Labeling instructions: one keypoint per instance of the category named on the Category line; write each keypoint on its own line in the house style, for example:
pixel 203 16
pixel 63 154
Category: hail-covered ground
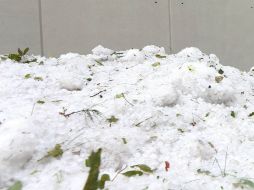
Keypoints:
pixel 184 116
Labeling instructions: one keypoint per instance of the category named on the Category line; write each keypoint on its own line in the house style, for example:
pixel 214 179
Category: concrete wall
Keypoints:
pixel 52 27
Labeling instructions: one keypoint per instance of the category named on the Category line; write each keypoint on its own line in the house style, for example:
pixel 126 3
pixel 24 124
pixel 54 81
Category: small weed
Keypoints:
pixel 16 186
pixel 112 119
pixel 92 182
pixel 56 152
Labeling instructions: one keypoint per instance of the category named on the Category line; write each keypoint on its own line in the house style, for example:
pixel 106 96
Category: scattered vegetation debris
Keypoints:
pixel 19 55
pixel 38 78
pixel 160 56
pixel 178 115
pixel 218 79
pixel 233 114
pixel 98 93
pixel 27 76
pixel 205 172
pixel 40 102
pixel 156 64
pixel 167 166
pixel 118 96
pixel 251 114
pixel 212 146
pixel 180 130
pixel 244 183
pixel 112 119
pixel 16 186
pixel 190 68
pixel 99 62
pixel 88 112
pixel 143 167
pixel 132 173
pixel 220 71
pixel 94 162
pixel 139 123
pixel 124 140
pixel 207 114
pixel 121 95
pixel 56 152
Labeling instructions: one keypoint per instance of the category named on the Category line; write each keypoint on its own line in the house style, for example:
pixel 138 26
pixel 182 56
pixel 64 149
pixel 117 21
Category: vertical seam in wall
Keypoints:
pixel 170 26
pixel 41 30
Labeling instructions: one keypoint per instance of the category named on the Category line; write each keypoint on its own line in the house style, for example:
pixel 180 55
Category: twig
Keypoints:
pixel 216 160
pixel 87 111
pixel 127 100
pixel 97 93
pixel 225 163
pixel 33 109
pixel 119 173
pixel 143 121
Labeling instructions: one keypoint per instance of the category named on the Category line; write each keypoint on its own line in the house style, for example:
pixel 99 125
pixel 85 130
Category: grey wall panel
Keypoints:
pixel 19 25
pixel 80 25
pixel 223 27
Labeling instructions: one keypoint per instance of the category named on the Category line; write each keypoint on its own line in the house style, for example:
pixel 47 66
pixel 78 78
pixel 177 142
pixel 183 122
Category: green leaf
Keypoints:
pixel 251 114
pixel 27 76
pixel 20 52
pixel 16 186
pixel 144 168
pixel 119 96
pixel 14 57
pixel 160 56
pixel 112 119
pixel 232 114
pixel 87 162
pixel 55 152
pixel 132 173
pixel 104 178
pixel 156 64
pixel 244 183
pixel 25 51
pixel 94 161
pixel 40 102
